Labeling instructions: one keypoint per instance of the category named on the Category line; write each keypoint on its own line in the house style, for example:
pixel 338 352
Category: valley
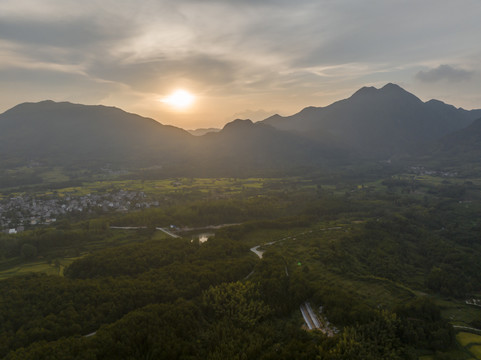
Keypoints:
pixel 351 247
pixel 238 244
pixel 240 180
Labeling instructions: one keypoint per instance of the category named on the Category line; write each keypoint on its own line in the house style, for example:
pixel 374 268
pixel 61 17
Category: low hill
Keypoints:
pixel 203 131
pixel 242 146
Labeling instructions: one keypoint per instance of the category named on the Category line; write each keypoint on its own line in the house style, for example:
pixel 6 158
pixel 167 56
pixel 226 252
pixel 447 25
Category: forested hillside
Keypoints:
pixel 387 263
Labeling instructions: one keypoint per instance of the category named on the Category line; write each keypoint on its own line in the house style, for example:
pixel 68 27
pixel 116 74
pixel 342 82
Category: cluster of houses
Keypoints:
pixel 420 170
pixel 26 210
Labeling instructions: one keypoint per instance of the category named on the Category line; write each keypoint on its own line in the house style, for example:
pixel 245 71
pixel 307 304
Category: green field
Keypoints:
pixel 476 351
pixel 470 342
pixel 55 175
pixel 367 251
pixel 156 187
pixel 41 266
pixel 457 311
pixel 467 339
pixel 57 260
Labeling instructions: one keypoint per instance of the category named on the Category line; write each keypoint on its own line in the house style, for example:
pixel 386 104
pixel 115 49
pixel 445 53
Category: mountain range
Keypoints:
pixel 377 123
pixel 371 124
pixel 63 133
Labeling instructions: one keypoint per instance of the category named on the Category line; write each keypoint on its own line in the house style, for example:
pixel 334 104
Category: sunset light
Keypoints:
pixel 240 179
pixel 179 99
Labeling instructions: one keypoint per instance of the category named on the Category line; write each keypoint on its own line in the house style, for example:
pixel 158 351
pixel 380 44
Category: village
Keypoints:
pixel 23 211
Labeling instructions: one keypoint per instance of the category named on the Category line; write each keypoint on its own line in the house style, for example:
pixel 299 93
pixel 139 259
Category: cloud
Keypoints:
pixel 250 54
pixel 444 72
pixel 159 75
pixel 65 33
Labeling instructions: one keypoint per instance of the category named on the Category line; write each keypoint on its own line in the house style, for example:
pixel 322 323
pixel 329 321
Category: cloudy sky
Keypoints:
pixel 239 58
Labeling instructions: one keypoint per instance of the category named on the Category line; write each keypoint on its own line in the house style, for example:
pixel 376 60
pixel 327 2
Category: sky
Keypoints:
pixel 237 58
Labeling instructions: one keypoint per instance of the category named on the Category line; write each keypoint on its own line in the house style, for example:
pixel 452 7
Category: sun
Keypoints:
pixel 179 99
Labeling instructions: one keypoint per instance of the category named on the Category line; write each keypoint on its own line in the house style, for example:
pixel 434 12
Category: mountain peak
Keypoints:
pixel 389 91
pixel 377 122
pixel 436 102
pixel 392 87
pixel 389 88
pixel 365 90
pixel 238 124
pixel 275 117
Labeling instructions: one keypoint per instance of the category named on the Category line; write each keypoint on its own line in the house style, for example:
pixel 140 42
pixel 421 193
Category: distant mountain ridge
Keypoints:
pixel 461 148
pixel 371 124
pixel 203 131
pixel 66 133
pixel 377 122
pixel 242 144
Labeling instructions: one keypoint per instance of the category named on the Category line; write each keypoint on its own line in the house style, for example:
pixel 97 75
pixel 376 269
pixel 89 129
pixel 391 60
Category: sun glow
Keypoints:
pixel 179 99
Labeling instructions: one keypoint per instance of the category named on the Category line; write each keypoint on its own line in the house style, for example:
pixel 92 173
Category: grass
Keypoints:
pixel 471 343
pixel 64 256
pixel 54 175
pixel 375 293
pixel 457 311
pixel 166 186
pixel 476 351
pixel 37 266
pixel 160 235
pixel 458 354
pixel 466 339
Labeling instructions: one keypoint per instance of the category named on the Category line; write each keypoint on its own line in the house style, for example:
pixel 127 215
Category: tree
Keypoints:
pixel 239 302
pixel 28 251
pixel 375 340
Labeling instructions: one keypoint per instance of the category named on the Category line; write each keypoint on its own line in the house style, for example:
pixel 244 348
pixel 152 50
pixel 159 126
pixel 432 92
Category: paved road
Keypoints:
pixel 167 232
pixel 466 328
pixel 309 317
pixel 259 253
pixel 128 227
pixel 256 251
pixel 144 227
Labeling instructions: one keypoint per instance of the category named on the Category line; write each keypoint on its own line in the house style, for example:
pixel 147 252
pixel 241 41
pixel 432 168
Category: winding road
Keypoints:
pixel 311 319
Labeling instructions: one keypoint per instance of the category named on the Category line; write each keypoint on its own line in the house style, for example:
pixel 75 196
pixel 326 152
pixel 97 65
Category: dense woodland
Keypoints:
pixel 375 254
